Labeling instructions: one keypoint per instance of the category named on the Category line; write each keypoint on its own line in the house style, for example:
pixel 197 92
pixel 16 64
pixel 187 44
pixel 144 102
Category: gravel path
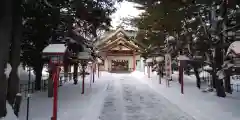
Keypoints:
pixel 128 99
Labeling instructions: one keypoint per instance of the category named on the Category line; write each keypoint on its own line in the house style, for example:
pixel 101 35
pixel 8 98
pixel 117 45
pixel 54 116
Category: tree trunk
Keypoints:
pixel 65 72
pixel 219 83
pixel 70 71
pixel 227 82
pixel 5 36
pixel 50 81
pixel 195 68
pixel 75 73
pixel 214 76
pixel 38 71
pixel 13 81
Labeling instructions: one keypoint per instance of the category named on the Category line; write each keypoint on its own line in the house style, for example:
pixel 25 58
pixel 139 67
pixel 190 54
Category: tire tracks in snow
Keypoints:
pixel 129 99
pixel 112 108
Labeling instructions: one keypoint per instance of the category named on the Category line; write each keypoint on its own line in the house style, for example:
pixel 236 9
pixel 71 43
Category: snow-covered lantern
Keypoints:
pixel 149 61
pixel 182 62
pixel 170 39
pixel 55 53
pixel 84 58
pixel 183 58
pixel 233 56
pixel 99 61
pixel 159 59
pixel 197 56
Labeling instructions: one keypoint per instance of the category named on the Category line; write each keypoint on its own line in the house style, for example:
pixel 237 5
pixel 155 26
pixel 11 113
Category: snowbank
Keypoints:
pixel 137 74
pixel 23 74
pixel 207 67
pixel 202 106
pixel 204 74
pixel 10 114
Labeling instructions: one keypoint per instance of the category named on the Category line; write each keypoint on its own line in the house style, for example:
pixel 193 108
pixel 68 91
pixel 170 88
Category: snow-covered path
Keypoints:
pixel 72 105
pixel 129 99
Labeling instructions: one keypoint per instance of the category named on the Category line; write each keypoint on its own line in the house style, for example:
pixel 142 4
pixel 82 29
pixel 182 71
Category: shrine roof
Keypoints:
pixel 129 34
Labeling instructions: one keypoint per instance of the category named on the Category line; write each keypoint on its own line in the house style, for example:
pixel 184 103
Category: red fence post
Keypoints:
pixel 83 80
pixel 98 70
pixel 55 92
pixel 181 76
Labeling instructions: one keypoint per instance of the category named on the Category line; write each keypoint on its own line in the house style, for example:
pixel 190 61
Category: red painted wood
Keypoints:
pixel 83 82
pixel 181 76
pixel 55 92
pixel 134 62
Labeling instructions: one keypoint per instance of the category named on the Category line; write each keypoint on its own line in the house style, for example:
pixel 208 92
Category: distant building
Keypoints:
pixel 120 51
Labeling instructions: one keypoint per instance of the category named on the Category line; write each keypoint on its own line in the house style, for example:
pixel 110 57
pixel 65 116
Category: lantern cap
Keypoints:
pixel 55 48
pixel 170 38
pixel 159 58
pixel 149 60
pixel 84 56
pixel 182 57
pixel 234 47
pixel 99 60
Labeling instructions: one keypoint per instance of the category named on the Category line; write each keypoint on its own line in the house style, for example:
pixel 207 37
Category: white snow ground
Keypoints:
pixel 10 114
pixel 112 97
pixel 202 106
pixel 72 104
pixel 133 97
pixel 129 99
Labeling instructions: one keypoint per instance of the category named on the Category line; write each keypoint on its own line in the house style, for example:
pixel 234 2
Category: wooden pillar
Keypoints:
pixel 181 70
pixel 134 61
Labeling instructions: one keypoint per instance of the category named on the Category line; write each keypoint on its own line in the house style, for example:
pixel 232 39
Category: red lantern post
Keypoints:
pixel 55 52
pixel 98 70
pixel 182 61
pixel 181 75
pixel 55 79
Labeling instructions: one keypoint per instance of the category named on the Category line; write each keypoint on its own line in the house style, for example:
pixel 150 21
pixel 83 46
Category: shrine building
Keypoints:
pixel 119 51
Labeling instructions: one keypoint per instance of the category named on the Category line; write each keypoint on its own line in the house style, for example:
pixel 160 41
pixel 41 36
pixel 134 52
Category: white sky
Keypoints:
pixel 124 9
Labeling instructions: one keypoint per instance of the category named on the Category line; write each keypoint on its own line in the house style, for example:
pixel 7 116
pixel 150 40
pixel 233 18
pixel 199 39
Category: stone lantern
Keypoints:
pixel 159 60
pixel 83 58
pixel 149 62
pixel 55 53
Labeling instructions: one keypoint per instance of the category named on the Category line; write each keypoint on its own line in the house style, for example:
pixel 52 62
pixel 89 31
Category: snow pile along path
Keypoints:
pixel 200 105
pixel 10 114
pixel 72 105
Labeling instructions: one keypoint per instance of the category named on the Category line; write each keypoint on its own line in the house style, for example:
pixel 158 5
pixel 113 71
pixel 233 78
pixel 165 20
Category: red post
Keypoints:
pixel 93 72
pixel 83 78
pixel 134 62
pixel 98 70
pixel 55 93
pixel 181 76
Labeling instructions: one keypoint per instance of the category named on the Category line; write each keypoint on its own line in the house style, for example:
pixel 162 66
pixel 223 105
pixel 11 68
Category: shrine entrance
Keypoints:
pixel 119 50
pixel 119 65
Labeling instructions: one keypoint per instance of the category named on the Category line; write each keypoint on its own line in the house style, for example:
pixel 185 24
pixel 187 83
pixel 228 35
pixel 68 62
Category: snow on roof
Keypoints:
pixel 55 48
pixel 183 57
pixel 235 46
